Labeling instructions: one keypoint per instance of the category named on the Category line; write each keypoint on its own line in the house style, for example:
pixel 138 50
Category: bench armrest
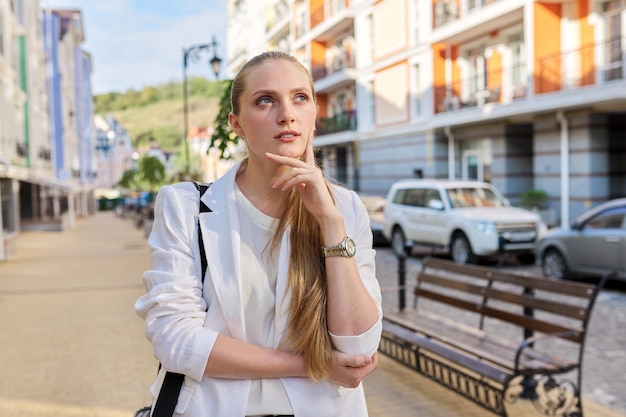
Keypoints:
pixel 529 341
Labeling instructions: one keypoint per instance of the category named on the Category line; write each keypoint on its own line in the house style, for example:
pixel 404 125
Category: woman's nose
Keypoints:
pixel 286 114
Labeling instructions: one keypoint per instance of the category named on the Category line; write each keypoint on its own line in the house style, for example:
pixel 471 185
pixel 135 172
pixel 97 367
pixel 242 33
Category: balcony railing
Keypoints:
pixel 493 87
pixel 338 123
pixel 344 59
pixel 579 68
pixel 446 11
pixel 564 71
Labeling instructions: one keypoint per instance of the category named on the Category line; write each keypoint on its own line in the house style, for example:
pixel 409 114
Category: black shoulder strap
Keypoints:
pixel 173 382
pixel 203 209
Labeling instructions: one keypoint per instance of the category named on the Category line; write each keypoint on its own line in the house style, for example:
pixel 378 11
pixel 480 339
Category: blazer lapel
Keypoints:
pixel 220 235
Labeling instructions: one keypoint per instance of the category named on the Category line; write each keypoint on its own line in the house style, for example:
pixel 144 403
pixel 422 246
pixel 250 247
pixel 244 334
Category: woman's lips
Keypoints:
pixel 287 136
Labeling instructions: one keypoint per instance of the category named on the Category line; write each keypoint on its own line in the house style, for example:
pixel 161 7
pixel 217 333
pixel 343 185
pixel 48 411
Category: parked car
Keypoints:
pixel 468 219
pixel 375 206
pixel 595 243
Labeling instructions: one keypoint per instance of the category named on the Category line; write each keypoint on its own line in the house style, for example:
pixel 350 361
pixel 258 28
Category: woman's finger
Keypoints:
pixel 309 155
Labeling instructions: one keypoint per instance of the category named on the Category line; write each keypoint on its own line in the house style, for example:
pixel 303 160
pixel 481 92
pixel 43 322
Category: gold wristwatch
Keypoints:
pixel 345 248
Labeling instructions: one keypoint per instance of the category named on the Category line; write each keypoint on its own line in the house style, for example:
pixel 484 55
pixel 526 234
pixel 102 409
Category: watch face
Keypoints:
pixel 350 247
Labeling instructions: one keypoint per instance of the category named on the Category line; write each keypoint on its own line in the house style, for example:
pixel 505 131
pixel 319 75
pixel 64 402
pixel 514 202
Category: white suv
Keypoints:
pixel 468 219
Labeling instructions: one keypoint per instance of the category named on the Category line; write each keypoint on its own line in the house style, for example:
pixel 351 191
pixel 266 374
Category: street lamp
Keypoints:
pixel 193 54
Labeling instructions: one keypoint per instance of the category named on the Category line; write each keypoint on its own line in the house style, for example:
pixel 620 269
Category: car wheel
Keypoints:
pixel 398 242
pixel 553 264
pixel 461 250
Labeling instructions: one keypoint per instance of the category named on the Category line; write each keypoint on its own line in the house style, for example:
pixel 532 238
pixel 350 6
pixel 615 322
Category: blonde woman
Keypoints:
pixel 288 319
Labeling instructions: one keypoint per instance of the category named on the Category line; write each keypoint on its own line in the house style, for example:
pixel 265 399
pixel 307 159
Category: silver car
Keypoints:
pixel 468 219
pixel 593 245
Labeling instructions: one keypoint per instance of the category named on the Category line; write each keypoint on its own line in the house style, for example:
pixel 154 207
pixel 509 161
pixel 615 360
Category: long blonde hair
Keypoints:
pixel 307 330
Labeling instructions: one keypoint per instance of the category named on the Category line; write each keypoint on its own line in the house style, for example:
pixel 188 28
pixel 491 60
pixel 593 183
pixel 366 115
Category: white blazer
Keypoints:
pixel 183 317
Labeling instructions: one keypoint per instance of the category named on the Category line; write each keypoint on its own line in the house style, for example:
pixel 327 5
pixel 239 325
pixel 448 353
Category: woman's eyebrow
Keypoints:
pixel 274 92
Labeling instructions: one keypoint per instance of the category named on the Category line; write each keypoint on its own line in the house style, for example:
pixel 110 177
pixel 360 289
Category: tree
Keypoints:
pixel 223 138
pixel 151 173
pixel 128 181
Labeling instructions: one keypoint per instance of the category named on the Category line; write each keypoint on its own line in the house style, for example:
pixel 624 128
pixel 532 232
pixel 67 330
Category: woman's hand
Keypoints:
pixel 348 371
pixel 309 180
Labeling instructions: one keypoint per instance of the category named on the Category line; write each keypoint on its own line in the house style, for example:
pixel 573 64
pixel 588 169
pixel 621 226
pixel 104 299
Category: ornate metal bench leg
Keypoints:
pixel 548 396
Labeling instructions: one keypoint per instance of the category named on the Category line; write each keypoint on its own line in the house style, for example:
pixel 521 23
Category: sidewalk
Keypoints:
pixel 71 344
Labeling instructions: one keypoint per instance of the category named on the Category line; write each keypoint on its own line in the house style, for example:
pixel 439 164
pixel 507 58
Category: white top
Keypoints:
pixel 258 276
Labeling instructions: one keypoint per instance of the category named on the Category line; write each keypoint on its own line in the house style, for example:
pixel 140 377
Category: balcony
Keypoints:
pixel 590 66
pixel 338 123
pixel 276 15
pixel 493 87
pixel 327 23
pixel 342 59
pixel 277 22
pixel 446 11
pixel 579 68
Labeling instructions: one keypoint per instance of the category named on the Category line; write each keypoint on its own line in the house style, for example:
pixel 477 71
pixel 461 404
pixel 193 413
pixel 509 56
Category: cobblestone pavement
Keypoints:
pixel 72 346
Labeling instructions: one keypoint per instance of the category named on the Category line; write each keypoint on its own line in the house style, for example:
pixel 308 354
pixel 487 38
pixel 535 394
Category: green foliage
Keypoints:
pixel 150 173
pixel 534 198
pixel 128 180
pixel 115 101
pixel 223 137
pixel 157 112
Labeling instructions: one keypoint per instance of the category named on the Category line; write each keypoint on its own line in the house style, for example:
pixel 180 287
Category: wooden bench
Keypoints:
pixel 495 335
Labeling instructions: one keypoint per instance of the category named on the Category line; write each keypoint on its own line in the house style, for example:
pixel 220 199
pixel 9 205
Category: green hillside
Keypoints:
pixel 157 112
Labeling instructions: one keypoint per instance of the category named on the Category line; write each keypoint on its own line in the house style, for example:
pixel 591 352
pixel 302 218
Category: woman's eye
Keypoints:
pixel 302 97
pixel 264 100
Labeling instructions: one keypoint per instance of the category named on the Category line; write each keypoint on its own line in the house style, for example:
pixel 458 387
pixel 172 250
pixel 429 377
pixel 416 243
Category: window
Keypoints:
pixel 476 160
pixel 475 76
pixel 473 197
pixel 518 77
pixel 417 93
pixel 613 35
pixel 5 204
pixel 609 219
pixel 415 198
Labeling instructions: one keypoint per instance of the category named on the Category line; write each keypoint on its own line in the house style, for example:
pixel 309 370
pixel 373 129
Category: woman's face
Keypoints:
pixel 278 110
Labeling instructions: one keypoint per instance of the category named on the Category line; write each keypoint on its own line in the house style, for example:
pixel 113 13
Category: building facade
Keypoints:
pixel 524 94
pixel 45 118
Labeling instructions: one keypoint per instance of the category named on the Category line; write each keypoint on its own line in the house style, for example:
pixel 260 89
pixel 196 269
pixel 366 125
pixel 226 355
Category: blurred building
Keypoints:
pixel 46 137
pixel 114 152
pixel 524 94
pixel 207 161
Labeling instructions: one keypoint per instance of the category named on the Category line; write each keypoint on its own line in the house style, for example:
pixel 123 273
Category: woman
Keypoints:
pixel 288 320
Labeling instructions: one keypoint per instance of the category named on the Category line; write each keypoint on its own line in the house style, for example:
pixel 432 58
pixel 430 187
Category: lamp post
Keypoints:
pixel 193 54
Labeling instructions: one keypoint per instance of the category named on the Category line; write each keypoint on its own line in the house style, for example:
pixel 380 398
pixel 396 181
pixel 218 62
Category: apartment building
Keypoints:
pixel 524 94
pixel 45 121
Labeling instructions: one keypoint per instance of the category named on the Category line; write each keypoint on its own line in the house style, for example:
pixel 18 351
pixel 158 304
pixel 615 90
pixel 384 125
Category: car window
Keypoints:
pixel 398 198
pixel 609 219
pixel 431 195
pixel 473 197
pixel 414 197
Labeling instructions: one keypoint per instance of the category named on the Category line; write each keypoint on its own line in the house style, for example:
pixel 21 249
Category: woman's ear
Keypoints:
pixel 234 123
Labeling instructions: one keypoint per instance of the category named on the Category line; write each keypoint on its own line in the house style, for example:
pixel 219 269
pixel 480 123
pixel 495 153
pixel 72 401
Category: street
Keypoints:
pixel 604 361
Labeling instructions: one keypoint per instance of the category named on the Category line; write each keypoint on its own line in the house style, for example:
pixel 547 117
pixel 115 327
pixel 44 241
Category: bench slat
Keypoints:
pixel 529 301
pixel 463 360
pixel 518 319
pixel 577 289
pixel 477 343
